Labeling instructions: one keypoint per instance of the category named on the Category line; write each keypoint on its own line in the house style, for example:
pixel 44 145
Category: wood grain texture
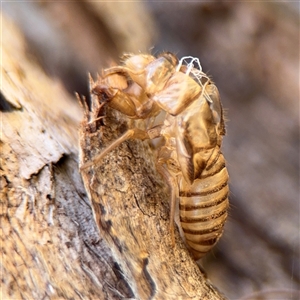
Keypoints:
pixel 252 51
pixel 51 247
pixel 131 209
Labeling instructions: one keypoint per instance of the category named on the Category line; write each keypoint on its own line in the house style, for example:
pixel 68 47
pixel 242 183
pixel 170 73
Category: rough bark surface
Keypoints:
pixel 251 50
pixel 51 246
pixel 131 208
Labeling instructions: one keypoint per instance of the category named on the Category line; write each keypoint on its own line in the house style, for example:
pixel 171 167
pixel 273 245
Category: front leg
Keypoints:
pixel 116 99
pixel 131 100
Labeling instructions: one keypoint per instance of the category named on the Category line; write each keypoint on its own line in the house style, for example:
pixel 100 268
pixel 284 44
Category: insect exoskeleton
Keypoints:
pixel 190 159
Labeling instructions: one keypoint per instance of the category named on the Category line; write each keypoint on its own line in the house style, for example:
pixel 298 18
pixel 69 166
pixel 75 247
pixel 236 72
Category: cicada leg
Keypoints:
pixel 163 157
pixel 134 133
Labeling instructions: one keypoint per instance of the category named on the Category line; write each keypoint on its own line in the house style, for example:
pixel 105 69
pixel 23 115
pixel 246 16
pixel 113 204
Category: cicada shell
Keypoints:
pixel 190 159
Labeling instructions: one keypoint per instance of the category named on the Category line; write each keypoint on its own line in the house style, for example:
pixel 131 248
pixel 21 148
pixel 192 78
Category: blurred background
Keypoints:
pixel 251 50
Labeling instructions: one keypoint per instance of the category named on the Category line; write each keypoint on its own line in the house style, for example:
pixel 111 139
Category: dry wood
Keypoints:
pixel 51 247
pixel 130 207
pixel 252 51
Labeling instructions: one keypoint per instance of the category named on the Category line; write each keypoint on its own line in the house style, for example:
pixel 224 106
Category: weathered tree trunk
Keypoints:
pixel 51 245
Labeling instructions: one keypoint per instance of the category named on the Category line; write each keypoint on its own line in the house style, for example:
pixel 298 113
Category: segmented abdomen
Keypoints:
pixel 203 207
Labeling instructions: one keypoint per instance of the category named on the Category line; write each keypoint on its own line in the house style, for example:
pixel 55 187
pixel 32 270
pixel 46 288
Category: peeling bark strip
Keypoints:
pixel 130 206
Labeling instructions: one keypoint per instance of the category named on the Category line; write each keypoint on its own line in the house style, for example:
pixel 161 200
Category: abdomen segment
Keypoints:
pixel 203 208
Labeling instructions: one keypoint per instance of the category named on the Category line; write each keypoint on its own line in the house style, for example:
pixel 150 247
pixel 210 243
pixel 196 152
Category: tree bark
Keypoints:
pixel 52 248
